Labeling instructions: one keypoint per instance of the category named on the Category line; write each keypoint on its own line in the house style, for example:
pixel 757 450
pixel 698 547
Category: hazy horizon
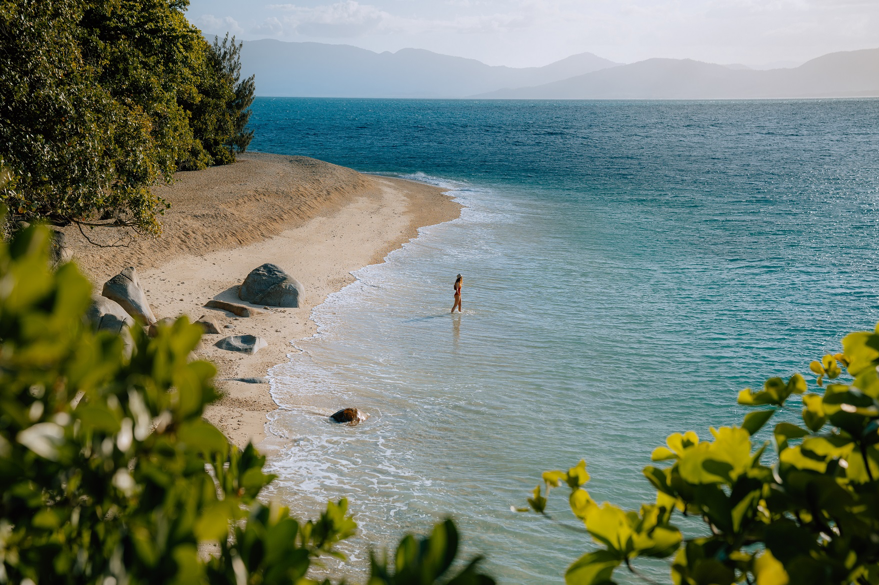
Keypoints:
pixel 529 33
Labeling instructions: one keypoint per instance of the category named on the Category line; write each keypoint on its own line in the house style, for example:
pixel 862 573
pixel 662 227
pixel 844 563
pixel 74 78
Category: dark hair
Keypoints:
pixel 457 280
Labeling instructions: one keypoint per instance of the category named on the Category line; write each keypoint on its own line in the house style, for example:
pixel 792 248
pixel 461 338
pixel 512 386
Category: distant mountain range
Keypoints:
pixel 321 70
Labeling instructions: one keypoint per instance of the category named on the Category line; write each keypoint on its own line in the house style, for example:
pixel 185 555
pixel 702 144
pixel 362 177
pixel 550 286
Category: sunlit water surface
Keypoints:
pixel 628 267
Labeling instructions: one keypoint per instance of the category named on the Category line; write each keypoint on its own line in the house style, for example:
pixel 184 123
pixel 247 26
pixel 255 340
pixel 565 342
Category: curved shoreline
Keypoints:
pixel 318 221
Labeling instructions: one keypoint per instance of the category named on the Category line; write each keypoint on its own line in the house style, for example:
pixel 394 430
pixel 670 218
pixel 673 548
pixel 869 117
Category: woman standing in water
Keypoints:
pixel 457 294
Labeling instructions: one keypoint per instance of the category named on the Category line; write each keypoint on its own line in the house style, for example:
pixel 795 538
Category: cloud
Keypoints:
pixel 343 19
pixel 352 19
pixel 211 23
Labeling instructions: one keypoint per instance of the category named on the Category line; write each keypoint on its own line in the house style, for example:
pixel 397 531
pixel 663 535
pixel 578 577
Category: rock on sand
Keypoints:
pixel 125 289
pixel 269 285
pixel 242 343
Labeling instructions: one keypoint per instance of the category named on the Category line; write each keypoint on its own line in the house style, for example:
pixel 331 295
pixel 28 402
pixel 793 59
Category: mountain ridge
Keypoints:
pixel 310 69
pixel 840 74
pixel 323 70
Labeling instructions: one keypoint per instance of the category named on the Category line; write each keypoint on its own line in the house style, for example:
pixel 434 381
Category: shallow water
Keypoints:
pixel 628 267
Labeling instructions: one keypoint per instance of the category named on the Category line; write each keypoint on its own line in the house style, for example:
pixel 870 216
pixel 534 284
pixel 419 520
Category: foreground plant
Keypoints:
pixel 109 474
pixel 809 515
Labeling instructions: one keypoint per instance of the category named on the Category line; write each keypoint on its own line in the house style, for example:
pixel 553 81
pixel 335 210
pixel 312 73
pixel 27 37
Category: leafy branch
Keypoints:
pixel 812 516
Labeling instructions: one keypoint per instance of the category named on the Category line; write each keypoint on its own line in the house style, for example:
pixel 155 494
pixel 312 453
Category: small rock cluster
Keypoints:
pixel 123 302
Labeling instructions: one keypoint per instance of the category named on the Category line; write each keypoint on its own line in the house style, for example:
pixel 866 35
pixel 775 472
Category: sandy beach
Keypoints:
pixel 317 221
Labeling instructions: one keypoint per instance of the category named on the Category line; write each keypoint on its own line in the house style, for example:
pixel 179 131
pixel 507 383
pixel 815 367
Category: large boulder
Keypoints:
pixel 125 289
pixel 242 343
pixel 107 315
pixel 269 285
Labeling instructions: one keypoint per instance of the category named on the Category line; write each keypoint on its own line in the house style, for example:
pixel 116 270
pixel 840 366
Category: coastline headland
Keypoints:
pixel 315 220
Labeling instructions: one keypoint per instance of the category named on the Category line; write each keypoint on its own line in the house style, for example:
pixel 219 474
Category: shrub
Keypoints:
pixel 809 515
pixel 109 474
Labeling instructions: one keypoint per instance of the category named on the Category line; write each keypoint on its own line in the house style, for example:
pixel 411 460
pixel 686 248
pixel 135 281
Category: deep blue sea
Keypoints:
pixel 628 268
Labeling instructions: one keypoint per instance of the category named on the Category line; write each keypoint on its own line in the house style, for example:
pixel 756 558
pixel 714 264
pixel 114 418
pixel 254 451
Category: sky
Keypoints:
pixel 526 33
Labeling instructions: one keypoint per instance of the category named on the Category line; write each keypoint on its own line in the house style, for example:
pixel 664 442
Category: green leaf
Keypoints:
pixel 769 571
pixel 784 432
pixel 797 384
pixel 660 479
pixel 203 436
pixel 581 503
pixel 595 568
pixel 754 421
pixel 794 457
pixel 46 519
pixel 721 461
pixel 813 412
pixel 663 454
pixel 254 480
pixel 554 478
pixel 748 397
pixel 577 475
pixel 537 502
pixel 609 526
pixel 98 417
pixel 213 524
pixel 189 569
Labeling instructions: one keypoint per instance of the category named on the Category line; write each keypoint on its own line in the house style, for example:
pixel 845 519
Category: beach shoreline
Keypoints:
pixel 317 221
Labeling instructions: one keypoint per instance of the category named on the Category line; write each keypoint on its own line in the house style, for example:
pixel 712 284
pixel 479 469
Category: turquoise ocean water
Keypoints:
pixel 628 268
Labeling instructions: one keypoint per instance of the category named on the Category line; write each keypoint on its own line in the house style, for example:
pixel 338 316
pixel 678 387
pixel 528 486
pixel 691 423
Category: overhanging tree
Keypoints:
pixel 101 100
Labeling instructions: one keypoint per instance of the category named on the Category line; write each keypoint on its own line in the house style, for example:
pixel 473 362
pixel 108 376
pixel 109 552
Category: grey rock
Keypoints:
pixel 352 416
pixel 107 315
pixel 269 285
pixel 248 380
pixel 125 289
pixel 233 308
pixel 61 252
pixel 242 343
pixel 208 324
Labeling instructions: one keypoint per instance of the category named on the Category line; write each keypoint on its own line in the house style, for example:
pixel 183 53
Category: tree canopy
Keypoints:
pixel 101 100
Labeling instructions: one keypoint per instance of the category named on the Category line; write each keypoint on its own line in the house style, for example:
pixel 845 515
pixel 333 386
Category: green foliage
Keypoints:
pixel 109 471
pixel 107 468
pixel 809 517
pixel 426 561
pixel 220 116
pixel 101 100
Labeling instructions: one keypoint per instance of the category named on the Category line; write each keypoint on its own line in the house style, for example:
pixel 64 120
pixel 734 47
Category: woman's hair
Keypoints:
pixel 457 280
